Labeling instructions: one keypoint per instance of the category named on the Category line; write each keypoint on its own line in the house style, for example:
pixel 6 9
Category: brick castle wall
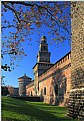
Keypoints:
pixel 60 75
pixel 30 89
pixel 76 99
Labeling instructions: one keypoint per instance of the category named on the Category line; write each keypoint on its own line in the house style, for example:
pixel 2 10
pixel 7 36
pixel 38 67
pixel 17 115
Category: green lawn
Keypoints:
pixel 17 110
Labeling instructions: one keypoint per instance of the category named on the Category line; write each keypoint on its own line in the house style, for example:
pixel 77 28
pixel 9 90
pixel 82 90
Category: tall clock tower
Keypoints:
pixel 43 62
pixel 43 54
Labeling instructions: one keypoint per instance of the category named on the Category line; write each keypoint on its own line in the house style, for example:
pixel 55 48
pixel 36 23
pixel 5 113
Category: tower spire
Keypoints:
pixel 43 39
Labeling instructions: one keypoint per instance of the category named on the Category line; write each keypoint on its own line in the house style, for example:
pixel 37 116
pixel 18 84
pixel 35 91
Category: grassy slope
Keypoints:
pixel 17 110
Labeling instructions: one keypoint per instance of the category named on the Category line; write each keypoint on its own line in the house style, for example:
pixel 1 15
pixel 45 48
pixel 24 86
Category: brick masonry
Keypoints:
pixel 30 89
pixel 58 75
pixel 76 99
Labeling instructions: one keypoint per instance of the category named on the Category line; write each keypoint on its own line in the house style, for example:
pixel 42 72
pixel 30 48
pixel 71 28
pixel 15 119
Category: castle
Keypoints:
pixel 51 81
pixel 61 82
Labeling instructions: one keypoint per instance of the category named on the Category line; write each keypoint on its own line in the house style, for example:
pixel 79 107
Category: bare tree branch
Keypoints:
pixel 13 10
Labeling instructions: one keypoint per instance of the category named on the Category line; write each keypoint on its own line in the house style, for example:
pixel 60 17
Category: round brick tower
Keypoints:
pixel 23 81
pixel 76 98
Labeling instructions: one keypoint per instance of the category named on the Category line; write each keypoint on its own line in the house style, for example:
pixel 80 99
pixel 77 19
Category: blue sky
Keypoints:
pixel 27 63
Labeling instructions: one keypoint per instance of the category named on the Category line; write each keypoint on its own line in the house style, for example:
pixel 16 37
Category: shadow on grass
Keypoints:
pixel 33 112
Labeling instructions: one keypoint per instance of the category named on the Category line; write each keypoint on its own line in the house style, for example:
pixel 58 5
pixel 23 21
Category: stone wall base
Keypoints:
pixel 54 101
pixel 76 104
